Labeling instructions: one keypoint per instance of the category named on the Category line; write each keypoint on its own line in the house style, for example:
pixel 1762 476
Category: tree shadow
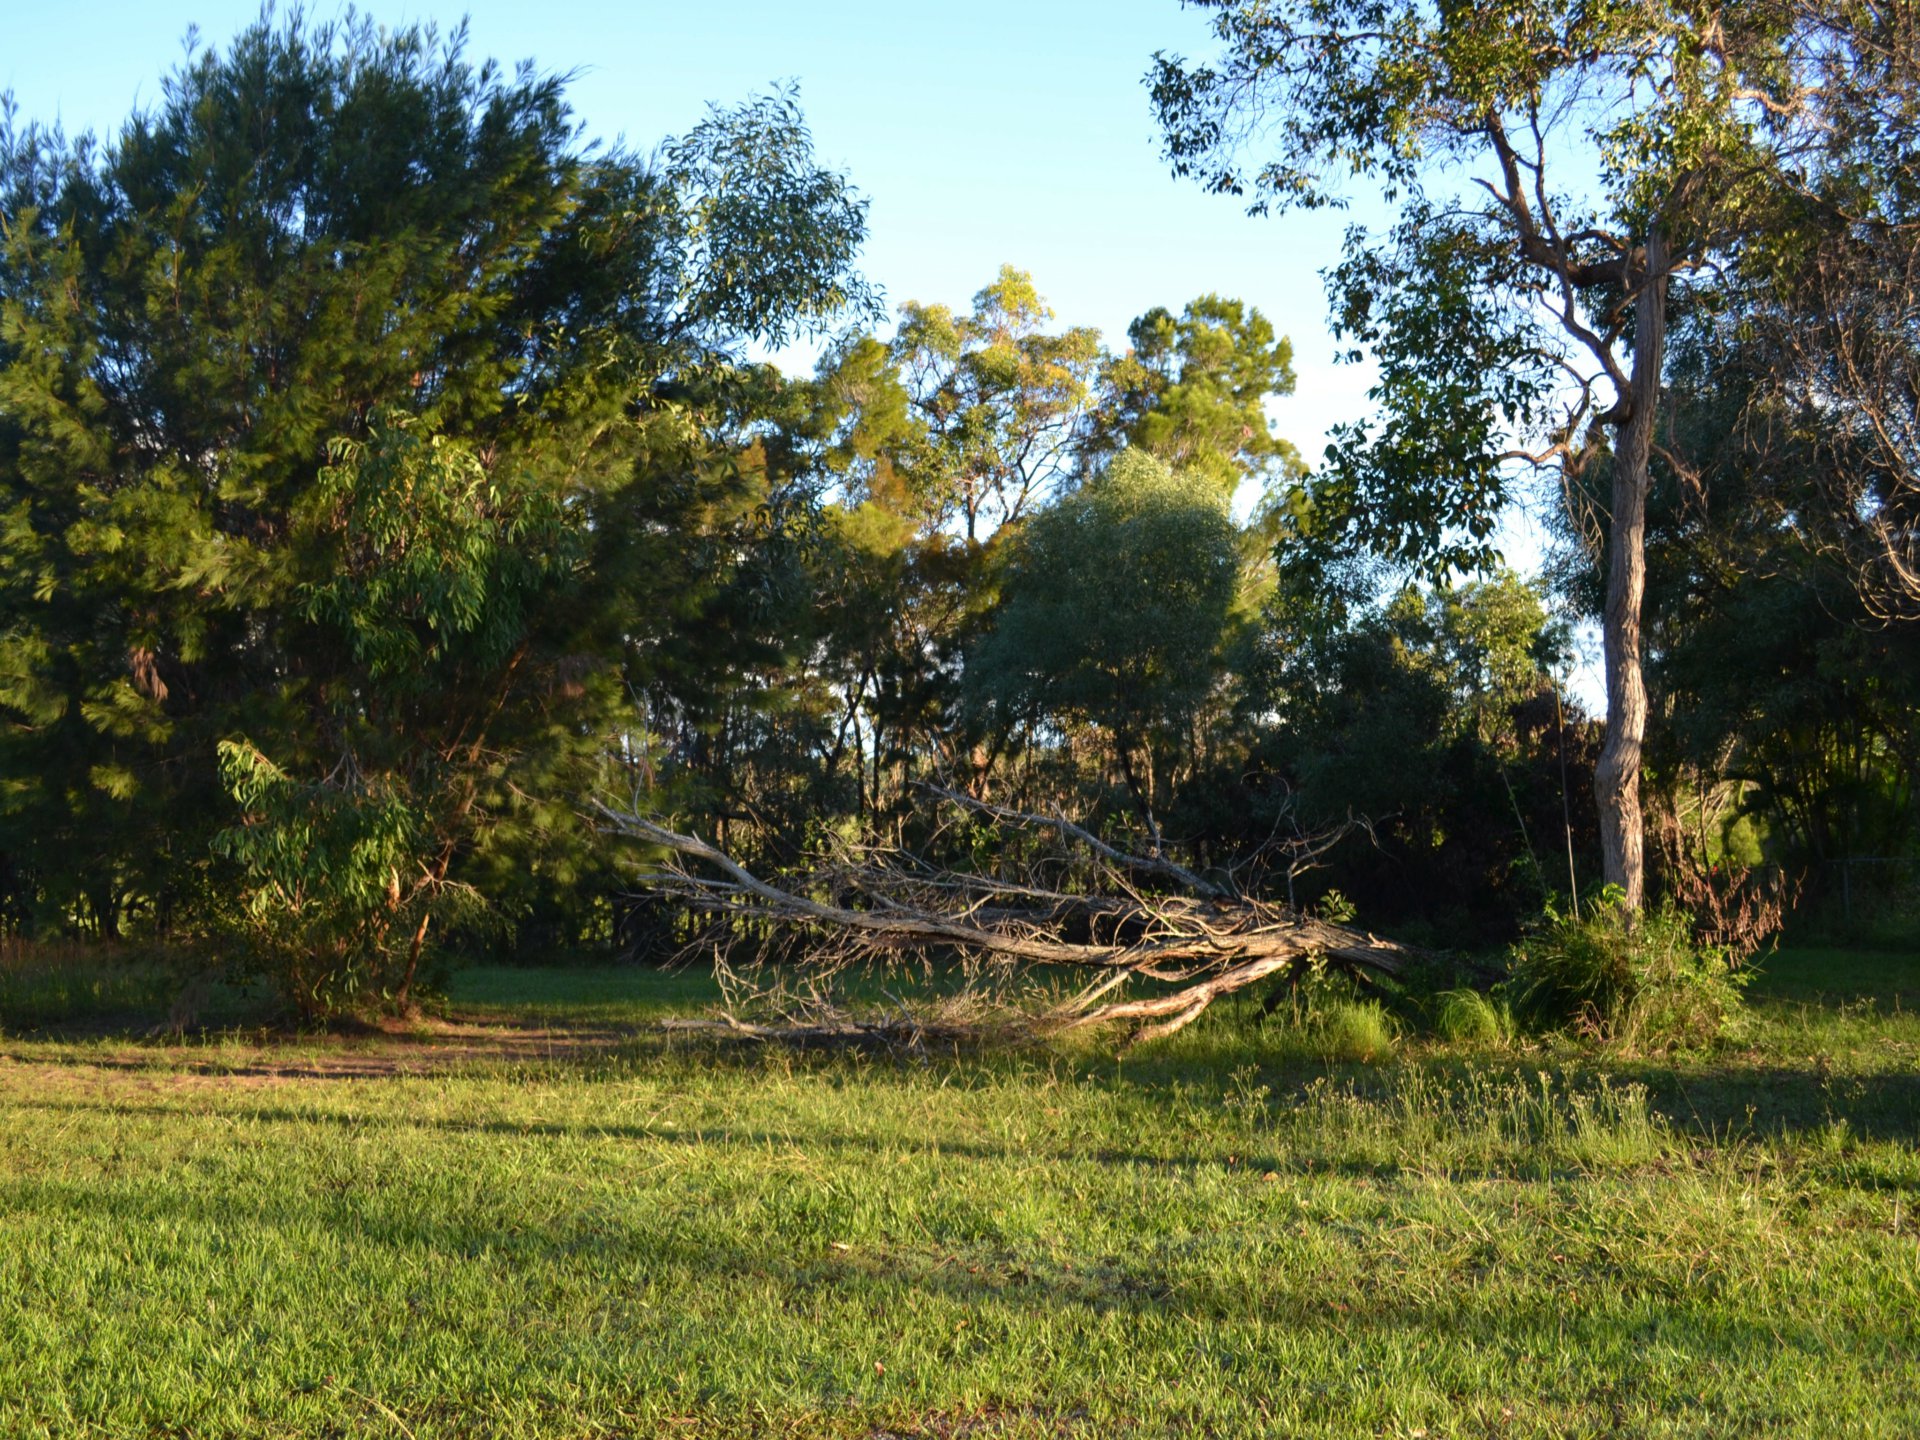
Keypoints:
pixel 1478 1308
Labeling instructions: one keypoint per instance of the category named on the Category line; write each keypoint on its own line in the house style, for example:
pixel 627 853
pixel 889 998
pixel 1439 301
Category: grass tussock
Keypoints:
pixel 1475 1019
pixel 1358 1031
pixel 1634 980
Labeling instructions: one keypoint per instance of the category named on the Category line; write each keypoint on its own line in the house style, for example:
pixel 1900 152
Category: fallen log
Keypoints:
pixel 1189 946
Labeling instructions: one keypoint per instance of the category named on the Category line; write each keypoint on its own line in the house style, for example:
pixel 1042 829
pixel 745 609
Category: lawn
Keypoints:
pixel 541 1217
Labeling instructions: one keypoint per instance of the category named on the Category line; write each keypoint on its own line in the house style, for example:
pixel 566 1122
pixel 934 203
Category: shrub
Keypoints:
pixel 1637 979
pixel 338 888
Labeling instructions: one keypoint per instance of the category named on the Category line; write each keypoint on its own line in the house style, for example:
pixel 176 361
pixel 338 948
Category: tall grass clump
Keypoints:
pixel 1473 1017
pixel 1357 1030
pixel 1638 980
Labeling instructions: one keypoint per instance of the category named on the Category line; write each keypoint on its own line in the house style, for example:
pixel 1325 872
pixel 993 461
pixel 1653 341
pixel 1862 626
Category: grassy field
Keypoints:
pixel 537 1219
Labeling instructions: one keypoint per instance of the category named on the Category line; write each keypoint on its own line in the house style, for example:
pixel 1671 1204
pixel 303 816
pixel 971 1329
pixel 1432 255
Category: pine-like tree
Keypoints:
pixel 359 421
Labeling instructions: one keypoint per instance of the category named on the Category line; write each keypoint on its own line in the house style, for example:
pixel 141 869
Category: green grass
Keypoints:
pixel 55 983
pixel 603 995
pixel 1223 1235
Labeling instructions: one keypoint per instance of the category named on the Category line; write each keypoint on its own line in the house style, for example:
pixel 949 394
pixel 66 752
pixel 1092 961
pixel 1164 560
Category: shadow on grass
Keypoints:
pixel 1597 1304
pixel 604 1023
pixel 1736 1099
pixel 1706 1101
pixel 1705 1110
pixel 1884 981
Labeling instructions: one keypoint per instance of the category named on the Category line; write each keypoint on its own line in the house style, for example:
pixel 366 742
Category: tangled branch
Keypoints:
pixel 1186 949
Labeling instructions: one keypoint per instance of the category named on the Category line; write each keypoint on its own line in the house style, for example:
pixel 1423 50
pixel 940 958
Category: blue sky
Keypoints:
pixel 986 134
pixel 998 132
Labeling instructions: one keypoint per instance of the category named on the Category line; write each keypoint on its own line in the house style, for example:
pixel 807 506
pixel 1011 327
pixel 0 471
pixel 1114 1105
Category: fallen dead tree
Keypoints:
pixel 1136 923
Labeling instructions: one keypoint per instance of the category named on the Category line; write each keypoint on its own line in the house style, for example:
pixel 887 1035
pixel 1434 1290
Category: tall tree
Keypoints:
pixel 1118 598
pixel 1606 154
pixel 1834 303
pixel 361 423
pixel 1783 697
pixel 938 444
pixel 1000 401
pixel 1193 388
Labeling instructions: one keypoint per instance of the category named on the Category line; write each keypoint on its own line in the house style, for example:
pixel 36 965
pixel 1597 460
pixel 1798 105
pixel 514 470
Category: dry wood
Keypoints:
pixel 1186 949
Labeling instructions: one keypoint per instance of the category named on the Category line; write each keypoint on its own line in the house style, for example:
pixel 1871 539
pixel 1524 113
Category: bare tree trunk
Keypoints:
pixel 1617 777
pixel 1142 797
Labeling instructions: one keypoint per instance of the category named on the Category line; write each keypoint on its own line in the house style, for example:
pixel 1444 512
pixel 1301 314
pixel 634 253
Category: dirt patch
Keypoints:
pixel 373 1051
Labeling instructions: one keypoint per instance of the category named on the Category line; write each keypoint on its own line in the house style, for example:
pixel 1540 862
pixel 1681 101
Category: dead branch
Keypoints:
pixel 858 905
pixel 1141 864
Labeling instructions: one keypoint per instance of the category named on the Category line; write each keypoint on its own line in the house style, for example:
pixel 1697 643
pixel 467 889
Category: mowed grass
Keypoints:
pixel 1226 1235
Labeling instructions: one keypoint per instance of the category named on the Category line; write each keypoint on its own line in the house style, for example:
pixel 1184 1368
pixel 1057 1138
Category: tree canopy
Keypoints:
pixel 1561 169
pixel 1117 602
pixel 391 508
pixel 356 425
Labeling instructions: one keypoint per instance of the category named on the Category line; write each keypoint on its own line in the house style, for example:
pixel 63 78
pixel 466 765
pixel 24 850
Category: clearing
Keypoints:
pixel 539 1217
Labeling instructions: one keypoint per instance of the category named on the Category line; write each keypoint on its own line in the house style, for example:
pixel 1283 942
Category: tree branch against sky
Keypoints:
pixel 1560 169
pixel 1060 178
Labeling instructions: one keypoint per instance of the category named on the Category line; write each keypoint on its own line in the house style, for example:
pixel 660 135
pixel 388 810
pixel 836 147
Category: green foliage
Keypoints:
pixel 1355 1030
pixel 424 575
pixel 428 563
pixel 66 983
pixel 766 232
pixel 1646 132
pixel 997 402
pixel 331 905
pixel 379 475
pixel 1117 601
pixel 1636 980
pixel 938 451
pixel 1490 642
pixel 1335 907
pixel 1788 709
pixel 1432 712
pixel 1447 318
pixel 1192 391
pixel 353 403
pixel 1566 173
pixel 1386 90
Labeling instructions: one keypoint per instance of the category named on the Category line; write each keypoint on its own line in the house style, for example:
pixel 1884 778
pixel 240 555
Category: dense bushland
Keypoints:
pixel 383 478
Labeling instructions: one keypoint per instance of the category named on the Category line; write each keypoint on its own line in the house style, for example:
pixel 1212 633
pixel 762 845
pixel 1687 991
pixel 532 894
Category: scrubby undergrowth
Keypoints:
pixel 1634 979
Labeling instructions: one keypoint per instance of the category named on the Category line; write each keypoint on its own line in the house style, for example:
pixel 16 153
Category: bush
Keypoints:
pixel 339 895
pixel 1636 979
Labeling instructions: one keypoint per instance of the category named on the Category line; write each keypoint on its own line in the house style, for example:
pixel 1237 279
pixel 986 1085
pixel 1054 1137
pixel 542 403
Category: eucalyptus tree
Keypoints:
pixel 1835 305
pixel 1561 170
pixel 940 442
pixel 1785 690
pixel 1117 601
pixel 1000 401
